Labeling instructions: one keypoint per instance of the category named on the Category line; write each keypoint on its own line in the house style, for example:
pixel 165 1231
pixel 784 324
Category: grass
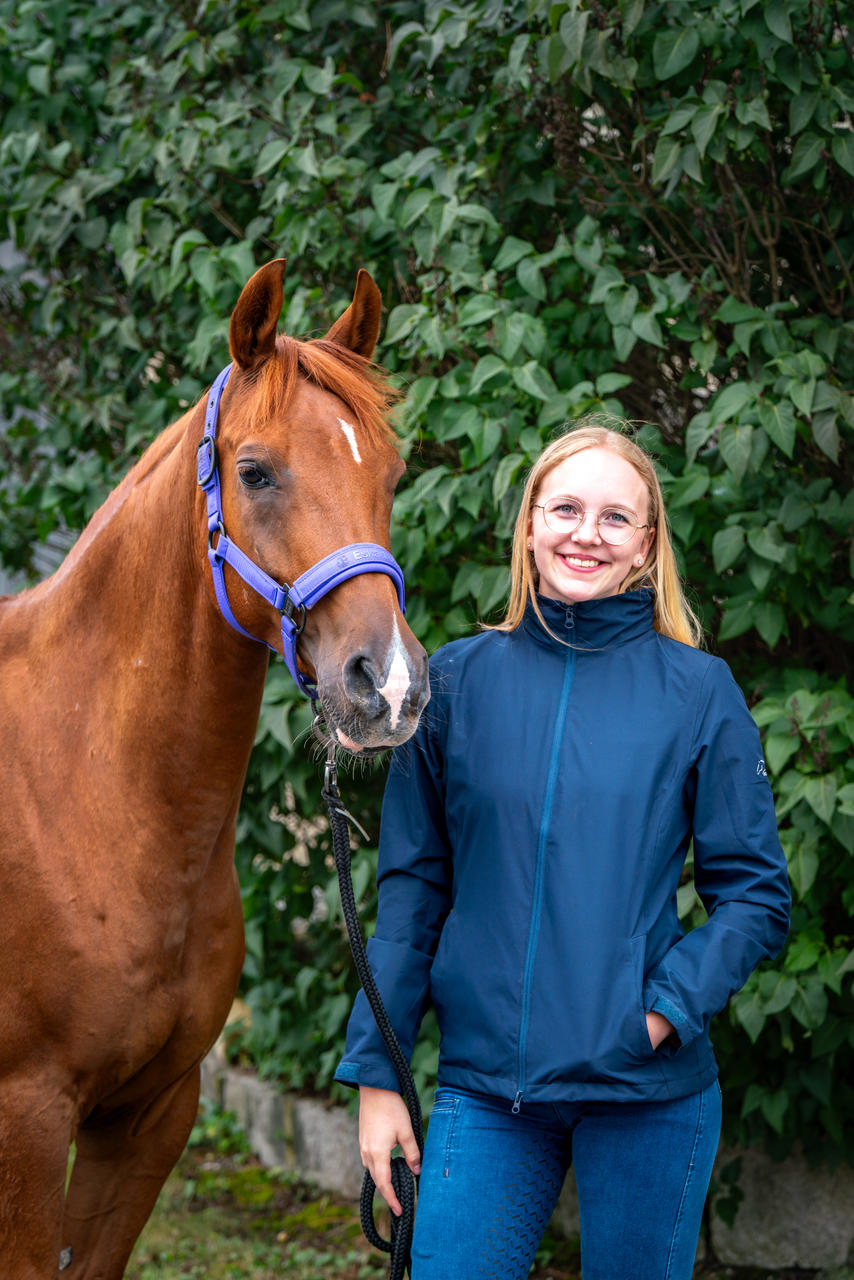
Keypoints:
pixel 221 1216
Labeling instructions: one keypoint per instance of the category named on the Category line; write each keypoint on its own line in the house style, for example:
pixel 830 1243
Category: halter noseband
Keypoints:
pixel 291 602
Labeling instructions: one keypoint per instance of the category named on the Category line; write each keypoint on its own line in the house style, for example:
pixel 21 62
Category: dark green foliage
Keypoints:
pixel 640 209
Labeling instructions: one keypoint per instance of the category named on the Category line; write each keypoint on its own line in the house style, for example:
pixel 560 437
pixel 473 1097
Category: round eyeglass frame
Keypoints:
pixel 567 527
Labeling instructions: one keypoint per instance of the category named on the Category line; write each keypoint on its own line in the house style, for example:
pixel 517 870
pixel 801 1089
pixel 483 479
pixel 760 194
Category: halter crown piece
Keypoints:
pixel 291 602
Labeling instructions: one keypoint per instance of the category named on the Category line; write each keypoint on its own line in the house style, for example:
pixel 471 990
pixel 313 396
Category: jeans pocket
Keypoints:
pixel 444 1100
pixel 442 1123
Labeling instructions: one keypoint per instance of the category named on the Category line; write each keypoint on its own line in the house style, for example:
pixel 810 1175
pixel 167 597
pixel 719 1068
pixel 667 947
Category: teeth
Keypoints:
pixel 582 564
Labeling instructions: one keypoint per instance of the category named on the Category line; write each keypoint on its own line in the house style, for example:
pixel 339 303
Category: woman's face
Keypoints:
pixel 581 565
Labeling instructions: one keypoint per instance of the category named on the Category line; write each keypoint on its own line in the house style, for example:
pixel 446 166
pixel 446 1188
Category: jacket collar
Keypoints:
pixel 593 624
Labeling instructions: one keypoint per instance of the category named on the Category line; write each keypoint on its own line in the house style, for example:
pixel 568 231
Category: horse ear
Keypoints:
pixel 252 335
pixel 359 327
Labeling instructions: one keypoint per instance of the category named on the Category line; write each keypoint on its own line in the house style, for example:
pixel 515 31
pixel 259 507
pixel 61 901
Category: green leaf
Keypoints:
pixel 803 868
pixel 415 205
pixel 805 156
pixel 842 150
pixel 767 541
pixel 270 155
pixel 775 13
pixel 403 33
pixel 731 400
pixel 403 320
pixel 801 109
pixel 736 620
pixel 673 50
pixel 769 620
pixel 679 117
pixel 773 1107
pixel 778 421
pixel 664 157
pixel 645 325
pixel 205 271
pixel 606 279
pixel 754 111
pixel 534 380
pixel 820 795
pixel 505 474
pixel 478 308
pixel 826 433
pixel 809 1004
pixel 689 488
pixel 750 1012
pixel 38 76
pixel 779 749
pixel 735 444
pixel 573 26
pixel 487 368
pixel 704 124
pixel 511 251
pixel 530 277
pixel 727 546
pixel 318 80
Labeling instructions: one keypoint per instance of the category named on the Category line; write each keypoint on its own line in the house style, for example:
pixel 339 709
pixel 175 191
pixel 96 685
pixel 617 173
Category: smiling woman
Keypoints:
pixel 584 546
pixel 533 837
pixel 615 472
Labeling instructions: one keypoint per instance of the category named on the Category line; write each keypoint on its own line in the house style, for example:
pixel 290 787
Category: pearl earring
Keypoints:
pixel 639 561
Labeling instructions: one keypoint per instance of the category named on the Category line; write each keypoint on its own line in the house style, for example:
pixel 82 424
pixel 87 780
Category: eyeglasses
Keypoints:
pixel 565 515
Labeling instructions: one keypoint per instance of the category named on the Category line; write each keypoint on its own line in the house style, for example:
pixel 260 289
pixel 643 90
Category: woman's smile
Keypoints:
pixel 579 564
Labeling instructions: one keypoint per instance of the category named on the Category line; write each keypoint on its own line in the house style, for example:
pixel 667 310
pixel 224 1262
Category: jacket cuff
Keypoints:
pixel 657 1002
pixel 370 1074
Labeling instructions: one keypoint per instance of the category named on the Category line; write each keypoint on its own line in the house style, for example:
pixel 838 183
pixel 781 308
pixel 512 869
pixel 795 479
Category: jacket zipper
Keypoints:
pixel 539 875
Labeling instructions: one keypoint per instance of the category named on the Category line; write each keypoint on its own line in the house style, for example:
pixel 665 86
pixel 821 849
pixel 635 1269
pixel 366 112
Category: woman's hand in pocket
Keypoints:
pixel 658 1028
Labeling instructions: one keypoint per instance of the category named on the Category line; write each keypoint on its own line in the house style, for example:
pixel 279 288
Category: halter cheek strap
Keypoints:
pixel 291 602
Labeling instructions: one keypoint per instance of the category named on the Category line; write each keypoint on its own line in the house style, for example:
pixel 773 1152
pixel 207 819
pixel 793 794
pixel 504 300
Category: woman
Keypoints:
pixel 533 835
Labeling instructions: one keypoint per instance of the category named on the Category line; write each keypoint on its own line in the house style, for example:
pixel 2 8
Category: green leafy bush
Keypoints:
pixel 637 208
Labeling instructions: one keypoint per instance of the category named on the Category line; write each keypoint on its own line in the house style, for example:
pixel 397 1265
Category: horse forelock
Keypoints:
pixel 359 384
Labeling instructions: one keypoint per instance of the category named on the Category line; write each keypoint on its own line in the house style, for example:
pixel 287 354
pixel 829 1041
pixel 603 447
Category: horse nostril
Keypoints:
pixel 360 682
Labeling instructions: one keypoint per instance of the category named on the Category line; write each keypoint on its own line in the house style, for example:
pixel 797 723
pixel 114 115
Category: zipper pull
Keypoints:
pixel 517 1104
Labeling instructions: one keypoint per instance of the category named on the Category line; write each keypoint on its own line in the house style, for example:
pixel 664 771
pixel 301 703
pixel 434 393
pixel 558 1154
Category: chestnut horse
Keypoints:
pixel 128 707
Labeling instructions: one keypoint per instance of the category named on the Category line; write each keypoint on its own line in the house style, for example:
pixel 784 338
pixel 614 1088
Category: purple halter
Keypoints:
pixel 311 586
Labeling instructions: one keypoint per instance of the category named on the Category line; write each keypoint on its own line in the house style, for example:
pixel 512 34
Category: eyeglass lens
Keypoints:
pixel 563 515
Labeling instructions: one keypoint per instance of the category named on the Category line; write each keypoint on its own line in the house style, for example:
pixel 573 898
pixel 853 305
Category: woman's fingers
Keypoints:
pixel 384 1124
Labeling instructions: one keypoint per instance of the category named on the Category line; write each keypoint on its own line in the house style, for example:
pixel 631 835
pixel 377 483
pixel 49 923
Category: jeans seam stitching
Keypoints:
pixel 449 1136
pixel 688 1173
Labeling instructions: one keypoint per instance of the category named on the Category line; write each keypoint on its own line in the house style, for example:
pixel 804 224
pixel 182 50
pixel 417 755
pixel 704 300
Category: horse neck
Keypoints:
pixel 129 629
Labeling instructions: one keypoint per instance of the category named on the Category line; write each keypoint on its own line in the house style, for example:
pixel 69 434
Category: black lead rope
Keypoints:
pixel 403 1180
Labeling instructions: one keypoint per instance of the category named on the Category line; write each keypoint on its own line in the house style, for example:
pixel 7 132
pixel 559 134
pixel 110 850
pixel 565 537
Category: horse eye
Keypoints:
pixel 252 477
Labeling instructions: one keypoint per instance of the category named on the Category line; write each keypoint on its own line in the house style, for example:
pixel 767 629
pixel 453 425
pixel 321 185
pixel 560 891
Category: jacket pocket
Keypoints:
pixel 643 1045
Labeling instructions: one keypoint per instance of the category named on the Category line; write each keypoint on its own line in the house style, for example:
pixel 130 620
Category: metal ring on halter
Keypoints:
pixel 219 528
pixel 289 611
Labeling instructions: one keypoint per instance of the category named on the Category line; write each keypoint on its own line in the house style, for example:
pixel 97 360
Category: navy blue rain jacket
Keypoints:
pixel 533 834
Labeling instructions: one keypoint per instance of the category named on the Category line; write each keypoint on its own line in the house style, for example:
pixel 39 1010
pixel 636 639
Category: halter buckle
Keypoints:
pixel 206 460
pixel 291 611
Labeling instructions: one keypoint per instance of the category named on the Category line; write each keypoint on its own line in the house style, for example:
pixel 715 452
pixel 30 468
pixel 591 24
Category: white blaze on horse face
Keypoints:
pixel 351 438
pixel 397 681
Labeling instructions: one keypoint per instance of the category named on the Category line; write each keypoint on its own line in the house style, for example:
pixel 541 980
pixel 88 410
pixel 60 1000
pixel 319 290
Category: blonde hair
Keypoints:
pixel 673 615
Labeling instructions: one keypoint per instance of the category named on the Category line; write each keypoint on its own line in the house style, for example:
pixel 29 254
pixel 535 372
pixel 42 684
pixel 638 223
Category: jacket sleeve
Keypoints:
pixel 740 870
pixel 414 883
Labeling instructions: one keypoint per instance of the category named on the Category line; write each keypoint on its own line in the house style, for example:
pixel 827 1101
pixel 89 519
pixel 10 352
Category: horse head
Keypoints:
pixel 308 466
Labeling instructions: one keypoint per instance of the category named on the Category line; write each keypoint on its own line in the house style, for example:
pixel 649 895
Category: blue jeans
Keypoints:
pixel 490 1181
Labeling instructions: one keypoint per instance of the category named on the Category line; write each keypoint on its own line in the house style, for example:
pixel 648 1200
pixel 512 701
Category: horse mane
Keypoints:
pixel 361 385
